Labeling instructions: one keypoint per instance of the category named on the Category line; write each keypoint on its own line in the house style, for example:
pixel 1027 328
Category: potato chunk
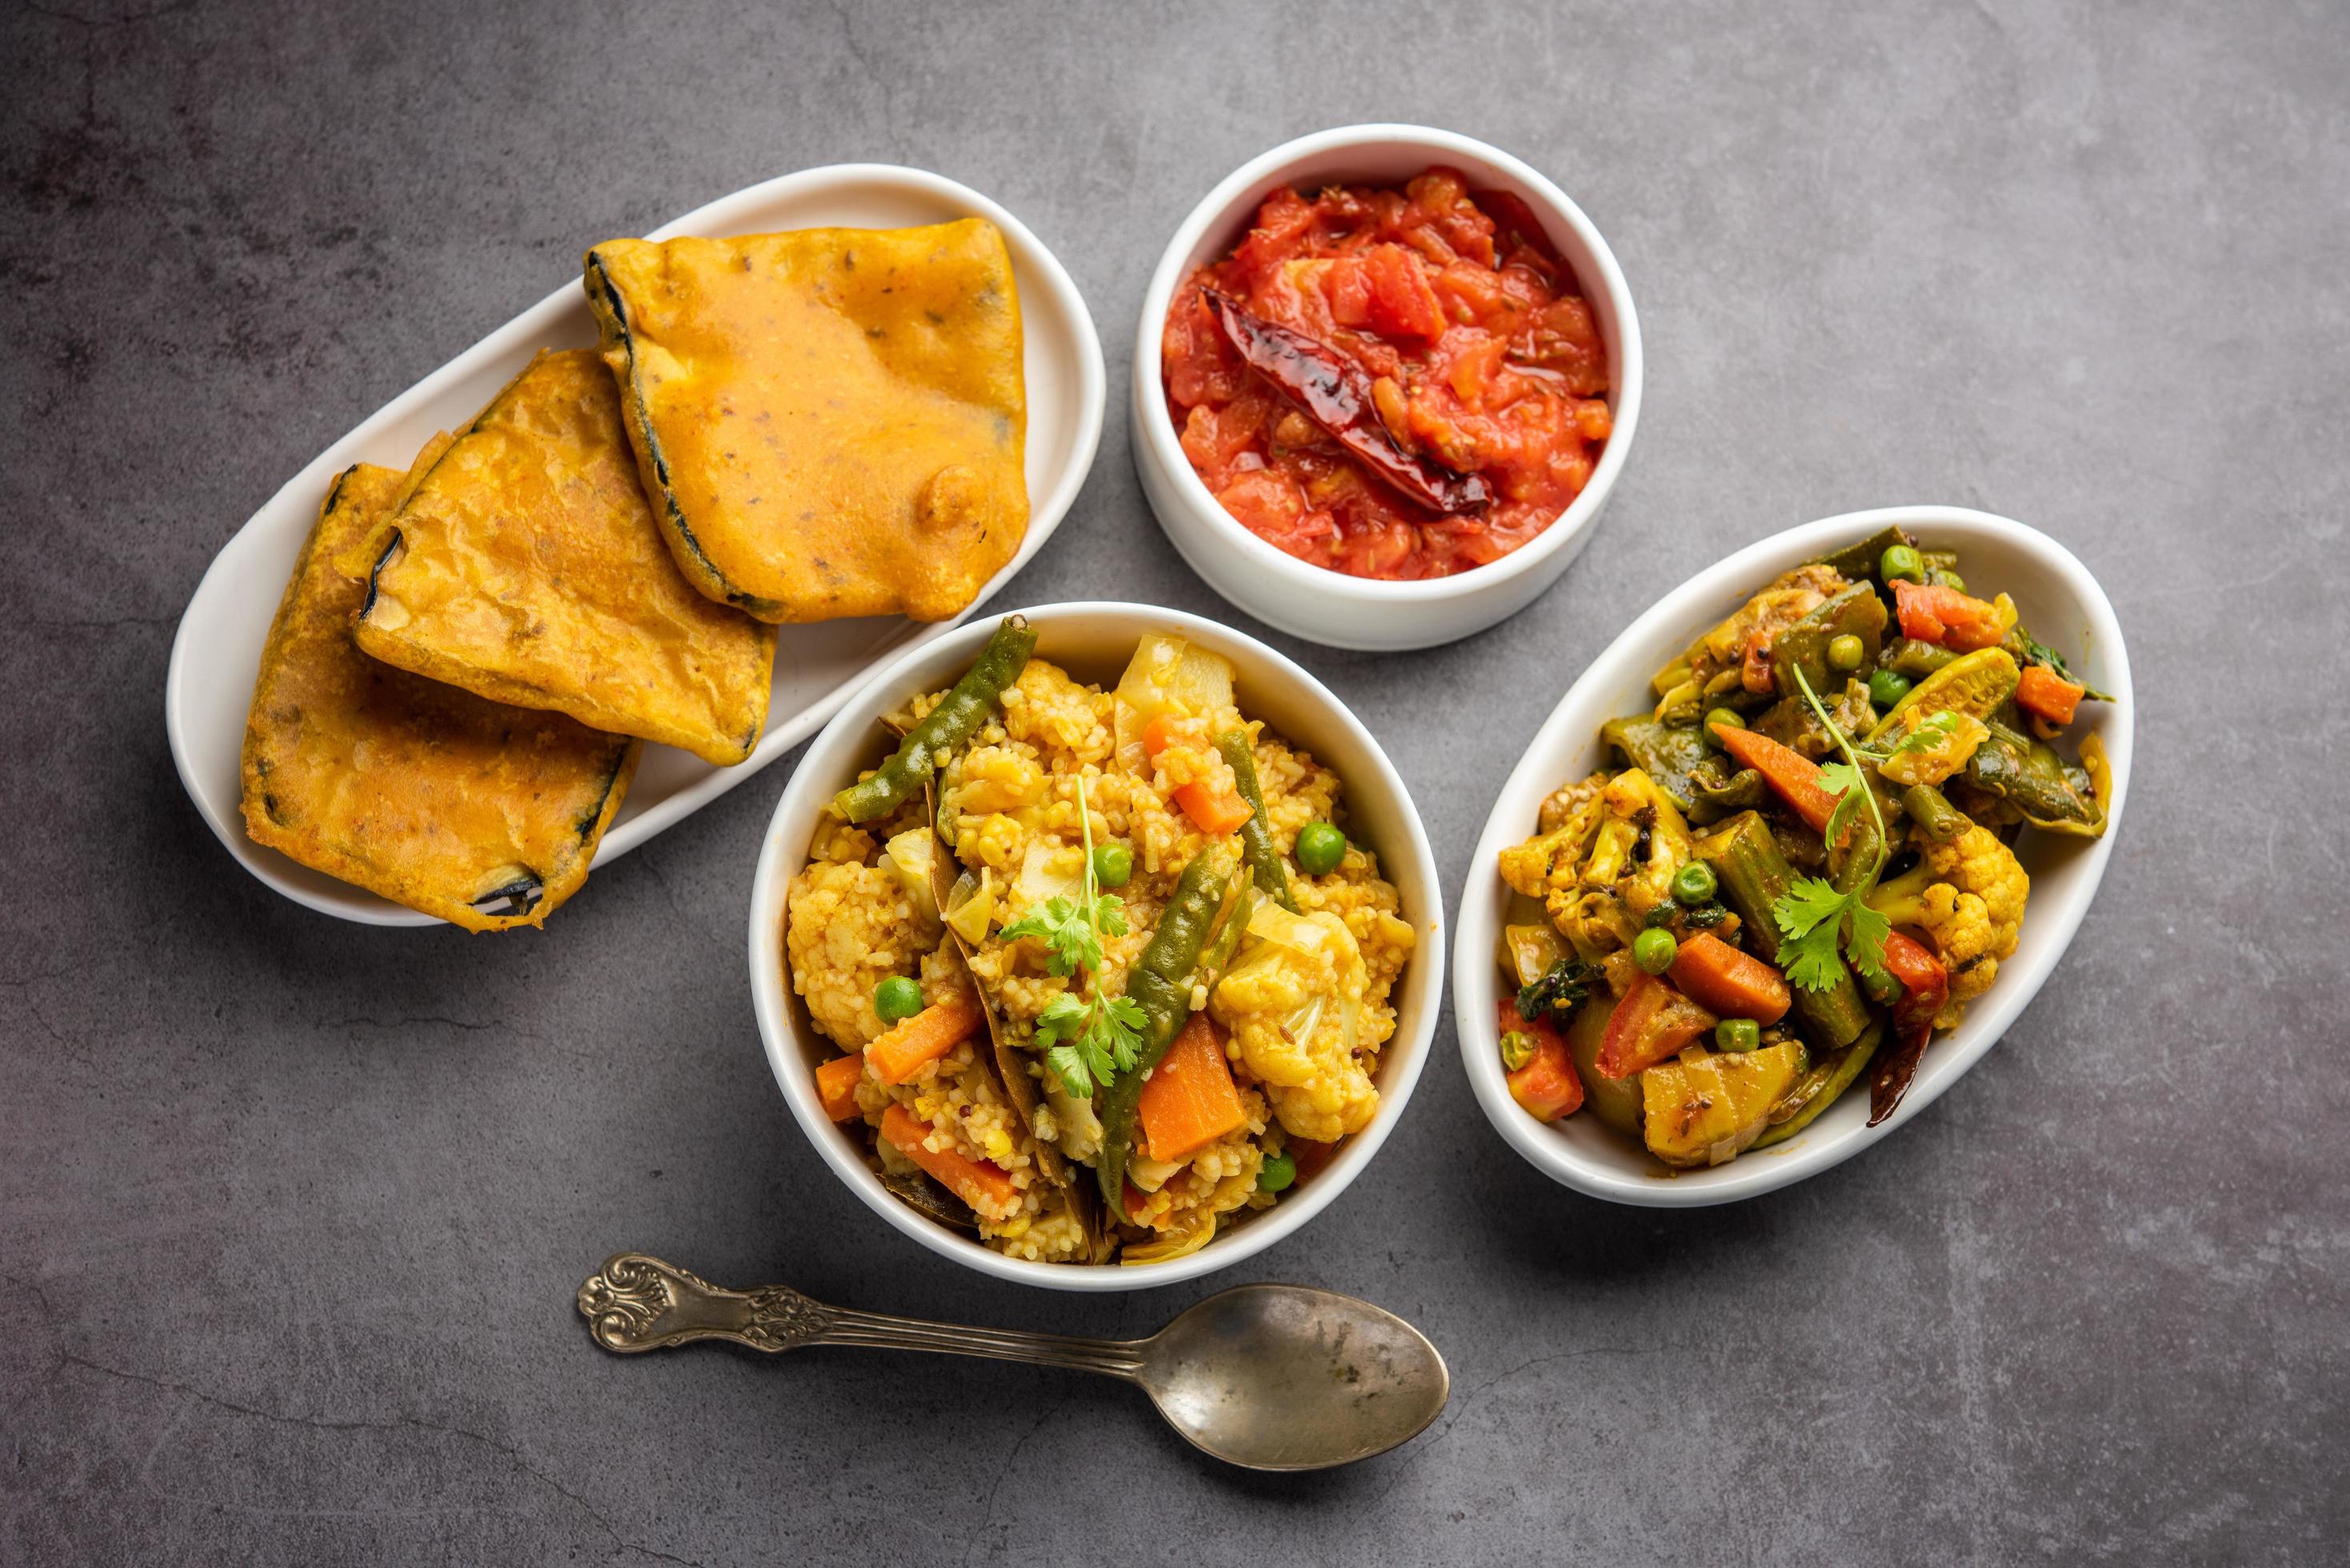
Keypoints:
pixel 1704 1106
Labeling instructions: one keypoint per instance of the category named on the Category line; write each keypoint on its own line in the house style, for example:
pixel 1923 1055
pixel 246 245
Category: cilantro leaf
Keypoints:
pixel 1806 905
pixel 1866 945
pixel 1843 781
pixel 1926 735
pixel 1087 1039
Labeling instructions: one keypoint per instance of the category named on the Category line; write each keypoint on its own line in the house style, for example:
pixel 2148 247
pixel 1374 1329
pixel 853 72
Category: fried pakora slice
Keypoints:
pixel 526 567
pixel 831 421
pixel 484 815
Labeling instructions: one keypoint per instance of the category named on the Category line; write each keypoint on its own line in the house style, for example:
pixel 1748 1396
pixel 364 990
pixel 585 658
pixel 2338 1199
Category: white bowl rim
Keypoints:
pixel 1629 368
pixel 1475 993
pixel 777 1029
pixel 520 335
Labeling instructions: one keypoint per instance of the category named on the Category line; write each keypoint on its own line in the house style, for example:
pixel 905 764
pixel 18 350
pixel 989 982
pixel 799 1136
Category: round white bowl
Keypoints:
pixel 2059 601
pixel 1315 602
pixel 1093 643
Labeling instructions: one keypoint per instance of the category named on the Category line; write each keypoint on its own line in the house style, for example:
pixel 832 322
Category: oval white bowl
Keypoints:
pixel 2059 601
pixel 1315 602
pixel 217 650
pixel 1093 641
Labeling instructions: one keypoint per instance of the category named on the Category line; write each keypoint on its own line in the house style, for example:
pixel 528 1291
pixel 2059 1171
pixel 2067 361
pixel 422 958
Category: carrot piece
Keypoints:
pixel 1719 978
pixel 1653 1021
pixel 1215 811
pixel 1925 980
pixel 1931 613
pixel 925 1037
pixel 1547 1087
pixel 836 1085
pixel 1310 1155
pixel 2044 692
pixel 1135 1202
pixel 983 1184
pixel 1794 777
pixel 1189 1101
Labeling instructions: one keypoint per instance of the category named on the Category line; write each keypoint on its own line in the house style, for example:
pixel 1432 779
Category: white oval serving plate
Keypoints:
pixel 217 650
pixel 2058 600
pixel 1093 641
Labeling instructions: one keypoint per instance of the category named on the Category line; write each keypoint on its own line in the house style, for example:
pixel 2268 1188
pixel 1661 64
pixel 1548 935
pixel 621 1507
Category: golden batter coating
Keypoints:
pixel 526 567
pixel 427 794
pixel 832 421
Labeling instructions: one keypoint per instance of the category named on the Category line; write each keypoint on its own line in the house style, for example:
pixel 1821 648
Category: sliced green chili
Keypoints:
pixel 1159 983
pixel 946 728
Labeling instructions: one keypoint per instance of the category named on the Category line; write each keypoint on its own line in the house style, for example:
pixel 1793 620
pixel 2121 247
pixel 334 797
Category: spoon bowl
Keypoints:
pixel 1267 1377
pixel 1286 1378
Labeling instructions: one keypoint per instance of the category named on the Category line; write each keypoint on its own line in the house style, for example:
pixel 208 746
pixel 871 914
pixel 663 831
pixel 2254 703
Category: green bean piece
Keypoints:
pixel 1753 873
pixel 1909 657
pixel 1256 832
pixel 946 728
pixel 1320 848
pixel 1276 1173
pixel 1859 558
pixel 1160 985
pixel 1886 689
pixel 1817 1089
pixel 1930 809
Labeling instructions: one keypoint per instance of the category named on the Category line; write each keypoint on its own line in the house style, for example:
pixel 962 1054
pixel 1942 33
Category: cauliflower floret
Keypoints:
pixel 1607 863
pixel 1292 1005
pixel 849 928
pixel 1969 894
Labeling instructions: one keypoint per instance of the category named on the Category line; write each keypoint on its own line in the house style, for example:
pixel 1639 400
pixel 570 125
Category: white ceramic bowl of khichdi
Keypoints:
pixel 1297 1035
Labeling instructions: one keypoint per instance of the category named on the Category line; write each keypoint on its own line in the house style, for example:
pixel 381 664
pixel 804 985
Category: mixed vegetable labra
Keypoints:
pixel 1802 867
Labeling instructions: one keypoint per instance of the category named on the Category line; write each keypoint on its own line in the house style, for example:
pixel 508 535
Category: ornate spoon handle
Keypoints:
pixel 635 1301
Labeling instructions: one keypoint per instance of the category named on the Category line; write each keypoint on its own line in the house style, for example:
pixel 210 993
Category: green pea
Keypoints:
pixel 1723 718
pixel 1320 848
pixel 1276 1173
pixel 1517 1049
pixel 1694 883
pixel 897 999
pixel 1887 686
pixel 1845 652
pixel 1113 864
pixel 1738 1035
pixel 1903 564
pixel 1952 581
pixel 1653 950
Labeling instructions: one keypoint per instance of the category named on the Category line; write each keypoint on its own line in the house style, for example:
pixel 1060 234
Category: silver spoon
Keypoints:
pixel 1270 1377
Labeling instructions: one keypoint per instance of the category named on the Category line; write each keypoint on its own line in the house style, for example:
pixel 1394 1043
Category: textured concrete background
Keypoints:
pixel 291 1210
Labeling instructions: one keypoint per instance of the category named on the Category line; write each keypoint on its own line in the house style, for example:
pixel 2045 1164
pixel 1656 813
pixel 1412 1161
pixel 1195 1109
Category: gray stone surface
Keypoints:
pixel 291 1210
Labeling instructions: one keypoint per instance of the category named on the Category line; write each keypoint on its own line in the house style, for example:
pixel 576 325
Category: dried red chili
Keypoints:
pixel 1330 389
